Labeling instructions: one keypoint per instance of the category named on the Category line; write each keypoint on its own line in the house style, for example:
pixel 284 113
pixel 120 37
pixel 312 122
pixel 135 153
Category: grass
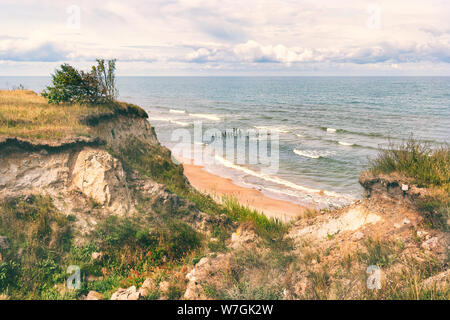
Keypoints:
pixel 39 238
pixel 25 114
pixel 427 166
pixel 155 162
pixel 42 246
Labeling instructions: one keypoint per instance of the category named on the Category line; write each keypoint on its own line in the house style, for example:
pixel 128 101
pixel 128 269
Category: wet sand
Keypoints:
pixel 217 187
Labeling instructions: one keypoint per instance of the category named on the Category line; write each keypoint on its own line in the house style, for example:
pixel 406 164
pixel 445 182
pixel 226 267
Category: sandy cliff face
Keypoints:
pixel 80 175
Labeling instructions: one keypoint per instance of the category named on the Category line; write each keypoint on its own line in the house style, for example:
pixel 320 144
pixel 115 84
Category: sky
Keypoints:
pixel 226 38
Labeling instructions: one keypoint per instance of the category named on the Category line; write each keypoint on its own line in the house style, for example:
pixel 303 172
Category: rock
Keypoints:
pixel 243 237
pixel 422 234
pixel 100 177
pixel 96 255
pixel 358 235
pixel 143 291
pixel 164 287
pixel 4 242
pixel 431 243
pixel 397 226
pixel 405 187
pixel 206 270
pixel 94 295
pixel 149 284
pixel 126 294
pixel 406 221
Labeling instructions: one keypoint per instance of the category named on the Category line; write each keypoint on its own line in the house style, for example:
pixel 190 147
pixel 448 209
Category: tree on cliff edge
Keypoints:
pixel 74 86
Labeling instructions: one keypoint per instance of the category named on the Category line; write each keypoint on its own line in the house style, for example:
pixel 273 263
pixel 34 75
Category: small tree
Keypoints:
pixel 73 86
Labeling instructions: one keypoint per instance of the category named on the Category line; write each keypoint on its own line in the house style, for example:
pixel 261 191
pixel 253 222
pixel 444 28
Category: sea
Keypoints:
pixel 323 131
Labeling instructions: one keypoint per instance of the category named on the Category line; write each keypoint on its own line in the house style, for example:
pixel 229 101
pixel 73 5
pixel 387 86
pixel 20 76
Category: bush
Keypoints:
pixel 73 86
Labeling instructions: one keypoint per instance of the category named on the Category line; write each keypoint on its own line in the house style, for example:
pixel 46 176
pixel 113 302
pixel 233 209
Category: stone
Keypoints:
pixel 94 295
pixel 405 187
pixel 431 243
pixel 406 221
pixel 358 235
pixel 126 294
pixel 243 237
pixel 164 286
pixel 100 177
pixel 148 284
pixel 422 234
pixel 96 255
pixel 143 291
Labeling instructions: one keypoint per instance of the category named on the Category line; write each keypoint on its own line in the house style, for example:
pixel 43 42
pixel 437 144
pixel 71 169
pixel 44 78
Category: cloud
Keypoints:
pixel 253 52
pixel 229 35
pixel 13 50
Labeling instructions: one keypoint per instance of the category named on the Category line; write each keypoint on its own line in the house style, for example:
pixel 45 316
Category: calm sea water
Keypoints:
pixel 328 126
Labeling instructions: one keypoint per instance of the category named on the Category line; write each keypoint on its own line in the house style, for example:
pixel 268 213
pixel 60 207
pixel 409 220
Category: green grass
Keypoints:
pixel 268 228
pixel 39 239
pixel 155 162
pixel 427 166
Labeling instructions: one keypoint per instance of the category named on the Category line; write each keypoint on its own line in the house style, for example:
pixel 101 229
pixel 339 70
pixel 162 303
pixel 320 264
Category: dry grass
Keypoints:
pixel 25 114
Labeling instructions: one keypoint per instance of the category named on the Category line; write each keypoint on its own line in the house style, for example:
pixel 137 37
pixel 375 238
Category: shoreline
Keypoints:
pixel 217 186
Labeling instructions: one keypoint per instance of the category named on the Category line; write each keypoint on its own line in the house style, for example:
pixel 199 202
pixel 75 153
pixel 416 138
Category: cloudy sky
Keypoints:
pixel 223 37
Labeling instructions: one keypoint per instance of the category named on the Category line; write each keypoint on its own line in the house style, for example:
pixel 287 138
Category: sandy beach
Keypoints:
pixel 217 187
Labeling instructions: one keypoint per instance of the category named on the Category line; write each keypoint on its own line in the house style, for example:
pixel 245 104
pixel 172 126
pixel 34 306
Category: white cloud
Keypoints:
pixel 228 35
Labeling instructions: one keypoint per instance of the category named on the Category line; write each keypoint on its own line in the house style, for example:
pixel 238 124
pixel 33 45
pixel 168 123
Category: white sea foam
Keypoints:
pixel 313 154
pixel 205 116
pixel 308 154
pixel 159 119
pixel 275 179
pixel 180 123
pixel 331 130
pixel 277 129
pixel 345 143
pixel 177 111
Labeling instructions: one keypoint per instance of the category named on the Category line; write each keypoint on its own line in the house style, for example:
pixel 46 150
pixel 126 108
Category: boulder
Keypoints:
pixel 126 294
pixel 94 295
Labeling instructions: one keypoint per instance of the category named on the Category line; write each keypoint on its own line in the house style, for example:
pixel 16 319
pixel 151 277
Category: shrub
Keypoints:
pixel 73 86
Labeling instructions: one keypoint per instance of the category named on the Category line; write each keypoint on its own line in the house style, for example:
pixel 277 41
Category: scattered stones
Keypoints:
pixel 126 294
pixel 94 295
pixel 431 243
pixel 4 242
pixel 422 234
